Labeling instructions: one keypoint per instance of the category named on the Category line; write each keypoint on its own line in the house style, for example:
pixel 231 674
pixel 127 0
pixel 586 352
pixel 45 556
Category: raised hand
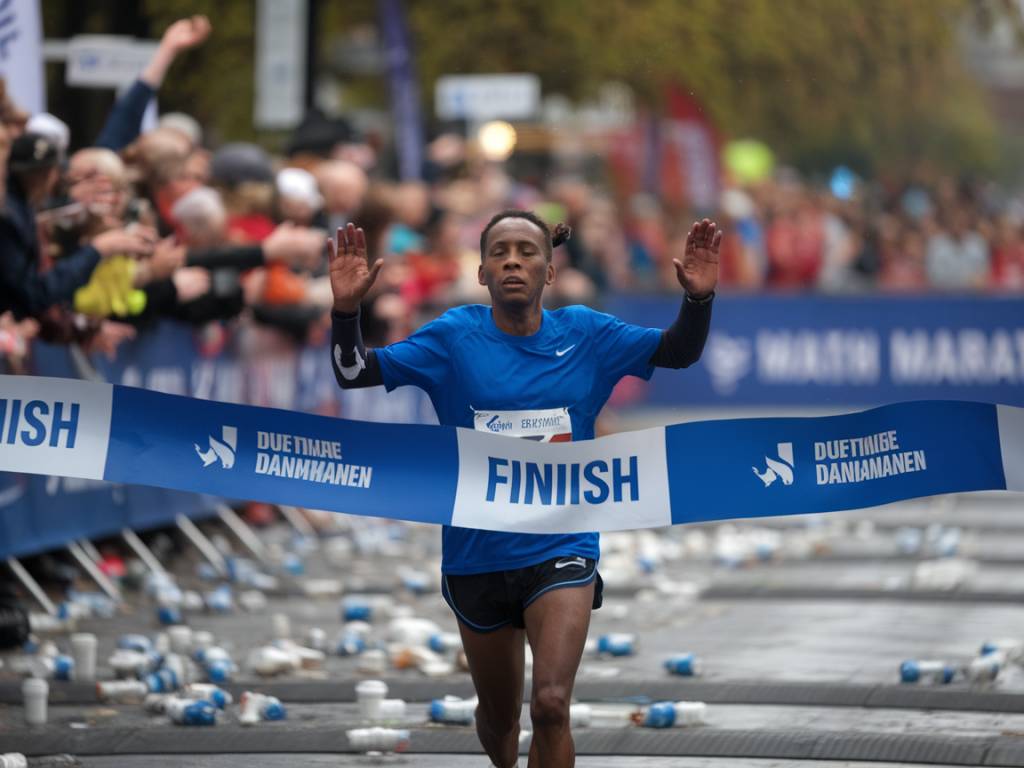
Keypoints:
pixel 351 273
pixel 186 33
pixel 698 271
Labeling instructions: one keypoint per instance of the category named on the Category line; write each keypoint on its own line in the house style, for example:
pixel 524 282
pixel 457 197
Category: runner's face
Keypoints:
pixel 515 267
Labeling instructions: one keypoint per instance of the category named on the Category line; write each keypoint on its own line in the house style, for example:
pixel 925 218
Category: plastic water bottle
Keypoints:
pixel 220 600
pixel 220 670
pixel 928 672
pixel 96 603
pixel 985 669
pixel 180 638
pixel 162 681
pixel 316 639
pixel 417 582
pixel 255 707
pixel 208 692
pixel 617 644
pixel 452 710
pixel 201 640
pixel 253 601
pixel 444 642
pixel 268 660
pixel 59 667
pixel 350 643
pixel 126 663
pixel 191 712
pixel 169 614
pixel 378 739
pixel 685 664
pixel 156 703
pixel 668 714
pixel 356 609
pixel 121 691
pixel 580 715
pixel 1009 647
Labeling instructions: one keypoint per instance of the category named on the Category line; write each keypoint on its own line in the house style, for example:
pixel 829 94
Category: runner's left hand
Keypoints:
pixel 698 271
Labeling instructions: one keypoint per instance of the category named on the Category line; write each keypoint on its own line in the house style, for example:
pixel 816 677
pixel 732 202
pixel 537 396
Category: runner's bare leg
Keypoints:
pixel 556 625
pixel 496 663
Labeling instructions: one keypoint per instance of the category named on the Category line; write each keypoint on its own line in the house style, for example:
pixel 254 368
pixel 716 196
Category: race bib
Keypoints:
pixel 550 425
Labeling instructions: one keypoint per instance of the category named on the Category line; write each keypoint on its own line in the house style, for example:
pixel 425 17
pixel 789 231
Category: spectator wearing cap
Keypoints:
pixel 25 287
pixel 244 175
pixel 298 198
pixel 53 128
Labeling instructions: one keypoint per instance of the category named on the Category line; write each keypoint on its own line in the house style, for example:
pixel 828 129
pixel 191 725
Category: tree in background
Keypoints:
pixel 878 84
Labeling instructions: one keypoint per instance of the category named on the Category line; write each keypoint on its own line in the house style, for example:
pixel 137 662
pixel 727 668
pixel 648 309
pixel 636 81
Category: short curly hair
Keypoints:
pixel 552 239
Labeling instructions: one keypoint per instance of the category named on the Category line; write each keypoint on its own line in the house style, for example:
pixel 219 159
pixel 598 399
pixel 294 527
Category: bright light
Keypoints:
pixel 497 140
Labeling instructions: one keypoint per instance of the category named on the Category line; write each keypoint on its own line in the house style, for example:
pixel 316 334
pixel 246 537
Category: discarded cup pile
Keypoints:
pixel 176 673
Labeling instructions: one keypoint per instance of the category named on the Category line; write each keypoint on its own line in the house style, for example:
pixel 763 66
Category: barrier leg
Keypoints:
pixel 90 567
pixel 90 549
pixel 297 520
pixel 244 533
pixel 203 544
pixel 144 553
pixel 31 585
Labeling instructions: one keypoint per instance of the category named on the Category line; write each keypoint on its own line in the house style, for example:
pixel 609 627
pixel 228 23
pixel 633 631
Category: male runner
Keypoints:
pixel 546 375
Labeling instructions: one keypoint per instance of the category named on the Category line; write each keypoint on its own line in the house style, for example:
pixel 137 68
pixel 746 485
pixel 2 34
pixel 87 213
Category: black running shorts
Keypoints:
pixel 488 601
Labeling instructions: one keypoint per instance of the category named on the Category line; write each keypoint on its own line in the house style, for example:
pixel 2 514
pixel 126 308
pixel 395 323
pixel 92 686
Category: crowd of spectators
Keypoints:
pixel 100 243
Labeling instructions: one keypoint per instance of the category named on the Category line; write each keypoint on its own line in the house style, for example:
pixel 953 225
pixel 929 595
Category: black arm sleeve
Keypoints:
pixel 236 257
pixel 353 364
pixel 683 341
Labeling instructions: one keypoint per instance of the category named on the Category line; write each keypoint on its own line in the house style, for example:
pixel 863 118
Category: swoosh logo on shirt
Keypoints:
pixel 579 561
pixel 560 352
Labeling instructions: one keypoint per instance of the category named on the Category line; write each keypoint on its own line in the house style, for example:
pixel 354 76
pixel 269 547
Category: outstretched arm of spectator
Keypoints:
pixel 26 291
pixel 300 247
pixel 125 119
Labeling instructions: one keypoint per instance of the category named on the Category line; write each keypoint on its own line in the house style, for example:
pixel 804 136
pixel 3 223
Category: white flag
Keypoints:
pixel 21 54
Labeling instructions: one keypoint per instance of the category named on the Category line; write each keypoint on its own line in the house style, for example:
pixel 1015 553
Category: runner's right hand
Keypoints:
pixel 351 274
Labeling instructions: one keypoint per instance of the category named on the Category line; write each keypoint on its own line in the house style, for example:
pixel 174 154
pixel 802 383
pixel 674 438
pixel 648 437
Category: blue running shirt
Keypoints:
pixel 548 386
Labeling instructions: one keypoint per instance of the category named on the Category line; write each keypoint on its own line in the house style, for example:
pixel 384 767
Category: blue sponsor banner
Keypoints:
pixel 838 462
pixel 472 478
pixel 39 513
pixel 837 351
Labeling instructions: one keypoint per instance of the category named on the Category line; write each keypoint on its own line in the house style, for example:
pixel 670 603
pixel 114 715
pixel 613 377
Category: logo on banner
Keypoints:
pixel 222 450
pixel 546 425
pixel 729 359
pixel 780 468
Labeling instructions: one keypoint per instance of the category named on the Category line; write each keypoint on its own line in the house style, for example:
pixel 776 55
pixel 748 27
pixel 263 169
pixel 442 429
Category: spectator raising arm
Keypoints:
pixel 125 119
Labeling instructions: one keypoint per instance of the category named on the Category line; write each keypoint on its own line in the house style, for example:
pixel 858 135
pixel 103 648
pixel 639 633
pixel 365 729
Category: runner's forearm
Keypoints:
pixel 353 364
pixel 683 341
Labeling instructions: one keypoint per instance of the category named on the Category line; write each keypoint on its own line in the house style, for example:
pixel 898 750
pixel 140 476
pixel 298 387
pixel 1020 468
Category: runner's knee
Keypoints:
pixel 549 706
pixel 499 718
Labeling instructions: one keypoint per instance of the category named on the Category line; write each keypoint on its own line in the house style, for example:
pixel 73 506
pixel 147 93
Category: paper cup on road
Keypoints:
pixel 83 650
pixel 369 694
pixel 35 693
